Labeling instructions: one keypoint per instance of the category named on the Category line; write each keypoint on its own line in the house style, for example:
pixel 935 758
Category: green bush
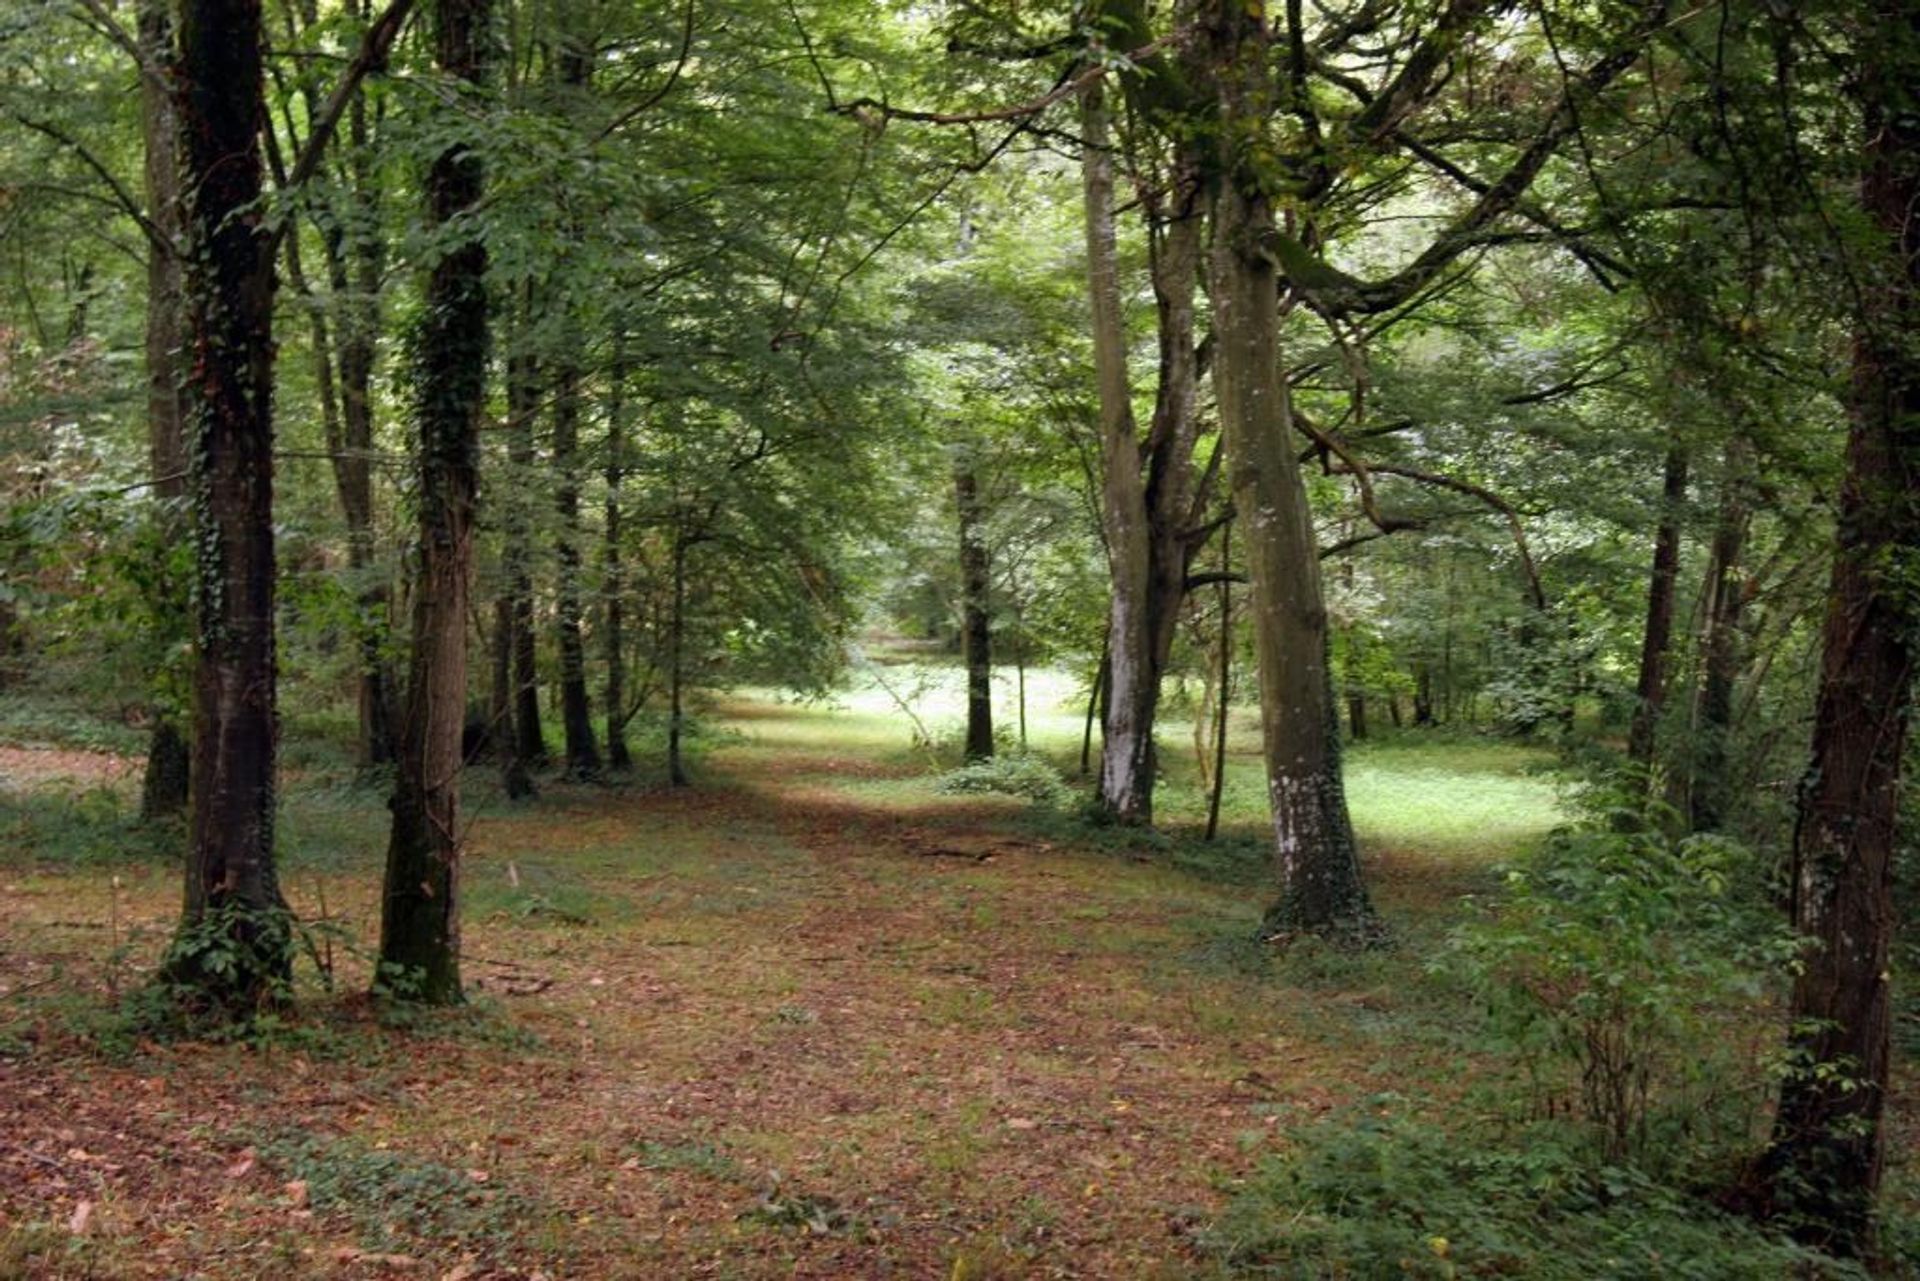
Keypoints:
pixel 1008 774
pixel 1373 1195
pixel 1624 968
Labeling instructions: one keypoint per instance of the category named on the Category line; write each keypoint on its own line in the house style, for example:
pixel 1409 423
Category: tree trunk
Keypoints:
pixel 1224 684
pixel 1642 733
pixel 523 397
pixel 975 622
pixel 1095 697
pixel 1828 1142
pixel 1126 750
pixel 1316 863
pixel 676 662
pixel 235 942
pixel 163 791
pixel 420 921
pixel 357 276
pixel 576 716
pixel 572 65
pixel 514 779
pixel 1708 798
pixel 614 585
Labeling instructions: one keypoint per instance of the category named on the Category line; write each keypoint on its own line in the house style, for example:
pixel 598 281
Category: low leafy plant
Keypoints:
pixel 1375 1194
pixel 392 1198
pixel 1008 774
pixel 1624 966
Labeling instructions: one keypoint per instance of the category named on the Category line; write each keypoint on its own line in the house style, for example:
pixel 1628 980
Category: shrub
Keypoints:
pixel 1623 967
pixel 1008 774
pixel 1372 1195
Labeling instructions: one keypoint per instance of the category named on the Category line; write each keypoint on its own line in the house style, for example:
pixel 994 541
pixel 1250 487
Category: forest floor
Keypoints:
pixel 810 1017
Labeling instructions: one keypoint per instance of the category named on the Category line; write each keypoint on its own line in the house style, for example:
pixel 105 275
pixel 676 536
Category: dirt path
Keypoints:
pixel 768 1028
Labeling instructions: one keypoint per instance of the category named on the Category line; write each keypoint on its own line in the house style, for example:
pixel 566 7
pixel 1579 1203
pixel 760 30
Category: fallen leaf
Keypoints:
pixel 82 1216
pixel 296 1191
pixel 242 1167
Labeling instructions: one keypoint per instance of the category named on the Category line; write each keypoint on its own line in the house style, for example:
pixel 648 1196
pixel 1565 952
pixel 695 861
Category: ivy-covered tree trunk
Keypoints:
pixel 976 629
pixel 1316 863
pixel 1829 1140
pixel 1657 637
pixel 164 787
pixel 234 947
pixel 420 920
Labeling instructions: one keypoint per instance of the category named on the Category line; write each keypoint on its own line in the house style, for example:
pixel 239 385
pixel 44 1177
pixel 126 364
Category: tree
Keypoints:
pixel 234 945
pixel 420 921
pixel 1829 1135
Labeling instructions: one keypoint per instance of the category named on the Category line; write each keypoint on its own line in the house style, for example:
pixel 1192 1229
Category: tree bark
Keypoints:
pixel 1656 640
pixel 420 921
pixel 1828 1141
pixel 976 637
pixel 234 946
pixel 1126 750
pixel 163 790
pixel 1316 864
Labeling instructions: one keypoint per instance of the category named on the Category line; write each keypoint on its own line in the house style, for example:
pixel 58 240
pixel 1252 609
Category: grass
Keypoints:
pixel 812 1016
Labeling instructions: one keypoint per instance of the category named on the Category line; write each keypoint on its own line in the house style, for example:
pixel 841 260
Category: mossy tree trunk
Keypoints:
pixel 420 918
pixel 234 946
pixel 1829 1142
pixel 1315 861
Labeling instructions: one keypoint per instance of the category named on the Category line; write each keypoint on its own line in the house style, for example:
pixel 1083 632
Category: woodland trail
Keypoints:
pixel 807 1019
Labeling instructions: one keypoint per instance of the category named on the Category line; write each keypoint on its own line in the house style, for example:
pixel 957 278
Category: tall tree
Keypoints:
pixel 234 944
pixel 976 617
pixel 1829 1133
pixel 164 788
pixel 1317 863
pixel 420 921
pixel 1656 637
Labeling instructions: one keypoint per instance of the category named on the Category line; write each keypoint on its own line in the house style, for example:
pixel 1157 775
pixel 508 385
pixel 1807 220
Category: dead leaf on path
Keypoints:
pixel 243 1165
pixel 296 1191
pixel 82 1217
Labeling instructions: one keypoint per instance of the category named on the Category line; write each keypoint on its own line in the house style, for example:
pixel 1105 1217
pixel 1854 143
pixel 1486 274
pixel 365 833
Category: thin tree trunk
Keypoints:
pixel 572 64
pixel 1829 1141
pixel 676 659
pixel 1651 691
pixel 163 790
pixel 576 716
pixel 1093 709
pixel 613 569
pixel 1316 864
pixel 514 779
pixel 420 920
pixel 235 942
pixel 523 398
pixel 1224 683
pixel 1126 753
pixel 1708 798
pixel 976 622
pixel 357 275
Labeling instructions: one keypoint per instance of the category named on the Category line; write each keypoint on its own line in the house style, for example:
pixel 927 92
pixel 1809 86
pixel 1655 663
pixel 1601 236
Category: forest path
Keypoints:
pixel 810 1018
